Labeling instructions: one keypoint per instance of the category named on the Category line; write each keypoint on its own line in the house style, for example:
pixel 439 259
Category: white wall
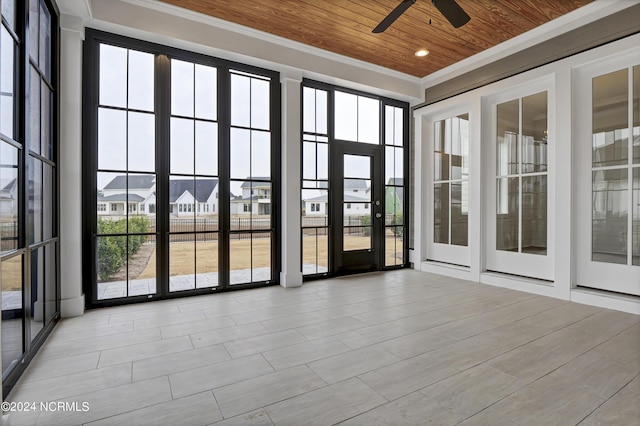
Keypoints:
pixel 558 79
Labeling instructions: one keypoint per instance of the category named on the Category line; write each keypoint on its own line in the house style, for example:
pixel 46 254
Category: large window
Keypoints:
pixel 184 146
pixel 28 180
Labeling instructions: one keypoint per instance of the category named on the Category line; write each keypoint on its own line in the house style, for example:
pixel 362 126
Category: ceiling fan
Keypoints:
pixel 449 8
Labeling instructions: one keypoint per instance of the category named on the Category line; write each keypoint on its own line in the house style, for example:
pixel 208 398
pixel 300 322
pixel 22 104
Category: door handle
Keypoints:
pixel 378 215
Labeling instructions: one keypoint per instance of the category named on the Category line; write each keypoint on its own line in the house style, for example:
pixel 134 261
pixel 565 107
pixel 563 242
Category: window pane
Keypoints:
pixel 323 161
pixel 356 237
pixel 636 217
pixel 459 213
pixel 34 192
pixel 357 166
pixel 240 100
pixel 11 312
pixel 33 132
pixel 141 80
pixel 259 104
pixel 309 160
pixel 182 89
pixel 610 119
pixel 46 139
pixel 609 216
pixel 141 190
pixel 206 209
pixel 34 26
pixel 9 12
pixel 507 214
pixel 636 114
pixel 112 139
pixel 7 103
pixel 45 41
pixel 240 153
pixel 261 256
pixel 534 214
pixel 111 267
pixel 321 111
pixel 36 321
pixel 368 120
pixel 398 127
pixel 112 193
pixel 206 260
pixel 206 148
pixel 315 253
pixel 441 213
pixel 308 110
pixel 47 196
pixel 113 76
pixel 9 190
pixel 142 142
pixel 50 279
pixel 182 262
pixel 394 250
pixel 239 258
pixel 141 265
pixel 315 203
pixel 260 155
pixel 393 204
pixel 357 190
pixel 459 147
pixel 182 146
pixel 442 148
pixel 206 92
pixel 507 146
pixel 346 116
pixel 182 204
pixel 534 133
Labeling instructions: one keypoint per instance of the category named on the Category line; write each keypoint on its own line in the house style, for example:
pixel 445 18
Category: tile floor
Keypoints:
pixel 395 348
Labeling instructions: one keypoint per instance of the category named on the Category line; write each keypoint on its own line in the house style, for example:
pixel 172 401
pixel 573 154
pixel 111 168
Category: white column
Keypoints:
pixel 416 256
pixel 562 237
pixel 291 275
pixel 476 241
pixel 70 165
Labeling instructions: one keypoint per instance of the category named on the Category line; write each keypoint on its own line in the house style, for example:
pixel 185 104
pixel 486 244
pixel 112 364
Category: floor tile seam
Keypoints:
pixel 141 328
pixel 64 339
pixel 357 375
pixel 149 357
pixel 217 330
pixel 185 370
pixel 263 351
pixel 616 335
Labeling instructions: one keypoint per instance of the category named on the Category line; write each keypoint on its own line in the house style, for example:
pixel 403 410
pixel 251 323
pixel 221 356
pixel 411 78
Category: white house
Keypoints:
pixel 187 198
pixel 255 198
pixel 357 200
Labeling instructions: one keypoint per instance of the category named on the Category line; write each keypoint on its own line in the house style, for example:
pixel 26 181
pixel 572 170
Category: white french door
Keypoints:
pixel 607 152
pixel 519 177
pixel 447 194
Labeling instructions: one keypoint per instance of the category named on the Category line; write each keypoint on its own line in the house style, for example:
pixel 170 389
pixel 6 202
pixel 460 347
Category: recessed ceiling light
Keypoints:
pixel 422 52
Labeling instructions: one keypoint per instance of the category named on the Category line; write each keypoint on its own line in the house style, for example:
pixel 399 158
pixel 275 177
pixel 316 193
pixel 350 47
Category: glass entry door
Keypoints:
pixel 359 208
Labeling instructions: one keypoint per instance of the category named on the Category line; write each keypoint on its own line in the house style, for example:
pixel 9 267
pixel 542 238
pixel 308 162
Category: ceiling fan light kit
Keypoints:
pixel 449 9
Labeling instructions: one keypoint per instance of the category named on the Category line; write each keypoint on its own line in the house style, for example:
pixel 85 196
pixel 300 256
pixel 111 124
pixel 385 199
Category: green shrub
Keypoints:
pixel 112 251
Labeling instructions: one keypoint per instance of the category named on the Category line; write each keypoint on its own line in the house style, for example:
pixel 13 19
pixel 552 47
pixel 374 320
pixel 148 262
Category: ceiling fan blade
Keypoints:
pixel 452 11
pixel 395 14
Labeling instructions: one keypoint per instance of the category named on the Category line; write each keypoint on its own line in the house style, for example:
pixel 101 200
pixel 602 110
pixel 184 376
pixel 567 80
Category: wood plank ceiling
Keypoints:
pixel 344 26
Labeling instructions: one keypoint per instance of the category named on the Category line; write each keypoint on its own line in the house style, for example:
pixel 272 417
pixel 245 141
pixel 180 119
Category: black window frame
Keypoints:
pixel 163 54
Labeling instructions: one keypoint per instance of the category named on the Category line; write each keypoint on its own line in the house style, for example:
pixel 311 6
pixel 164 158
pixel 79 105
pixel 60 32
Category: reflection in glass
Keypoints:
pixel 36 320
pixel 610 119
pixel 442 148
pixel 45 122
pixel 141 80
pixel 636 114
pixel 534 214
pixel 6 82
pixel 507 222
pixel 460 213
pixel 182 88
pixel 44 39
pixel 113 76
pixel 206 148
pixel 206 260
pixel 609 216
pixel 182 146
pixel 636 216
pixel 47 200
pixel 441 213
pixel 534 133
pixel 206 92
pixel 9 187
pixel 507 146
pixel 11 312
pixel 182 262
pixel 460 147
pixel 9 12
pixel 142 142
pixel 33 131
pixel 34 12
pixel 112 139
pixel 34 194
